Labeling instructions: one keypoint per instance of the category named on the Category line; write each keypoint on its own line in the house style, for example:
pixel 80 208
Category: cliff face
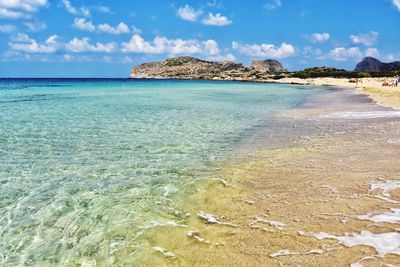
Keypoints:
pixel 372 64
pixel 269 65
pixel 197 69
pixel 187 68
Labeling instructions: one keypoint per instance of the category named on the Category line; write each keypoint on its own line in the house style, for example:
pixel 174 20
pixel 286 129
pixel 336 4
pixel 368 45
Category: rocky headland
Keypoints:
pixel 267 66
pixel 370 76
pixel 191 68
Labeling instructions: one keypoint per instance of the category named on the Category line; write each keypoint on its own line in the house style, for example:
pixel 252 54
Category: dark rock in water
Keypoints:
pixel 269 65
pixel 372 64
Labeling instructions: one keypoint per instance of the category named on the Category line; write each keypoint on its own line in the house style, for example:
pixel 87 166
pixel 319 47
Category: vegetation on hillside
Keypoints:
pixel 320 72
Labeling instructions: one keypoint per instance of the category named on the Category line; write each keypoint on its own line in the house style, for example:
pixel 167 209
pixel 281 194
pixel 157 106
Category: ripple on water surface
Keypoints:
pixel 87 166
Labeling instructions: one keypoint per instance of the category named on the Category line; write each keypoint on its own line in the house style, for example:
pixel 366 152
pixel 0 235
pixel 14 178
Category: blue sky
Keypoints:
pixel 70 38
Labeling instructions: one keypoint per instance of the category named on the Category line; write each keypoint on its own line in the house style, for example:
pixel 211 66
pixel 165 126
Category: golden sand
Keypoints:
pixel 384 95
pixel 316 187
pixel 267 203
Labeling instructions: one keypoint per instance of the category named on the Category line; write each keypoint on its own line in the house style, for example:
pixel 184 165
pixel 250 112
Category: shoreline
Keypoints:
pixel 310 202
pixel 384 95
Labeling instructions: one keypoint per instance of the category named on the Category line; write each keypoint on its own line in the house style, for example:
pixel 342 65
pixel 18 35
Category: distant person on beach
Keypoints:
pixel 397 80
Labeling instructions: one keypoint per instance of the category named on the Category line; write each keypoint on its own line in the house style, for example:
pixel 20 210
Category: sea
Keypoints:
pixel 89 165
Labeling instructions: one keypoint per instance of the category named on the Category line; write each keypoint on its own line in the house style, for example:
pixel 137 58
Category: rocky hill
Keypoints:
pixel 269 65
pixel 192 68
pixel 372 64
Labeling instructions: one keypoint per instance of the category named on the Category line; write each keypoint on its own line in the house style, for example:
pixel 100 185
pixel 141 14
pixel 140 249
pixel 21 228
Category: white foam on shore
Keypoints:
pixel 359 264
pixel 363 115
pixel 209 218
pixel 165 252
pixel 276 224
pixel 283 252
pixel 384 243
pixel 196 236
pixel 392 216
pixel 286 252
pixel 385 186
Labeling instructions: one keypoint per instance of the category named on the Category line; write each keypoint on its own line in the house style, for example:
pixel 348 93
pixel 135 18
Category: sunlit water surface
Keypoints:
pixel 87 165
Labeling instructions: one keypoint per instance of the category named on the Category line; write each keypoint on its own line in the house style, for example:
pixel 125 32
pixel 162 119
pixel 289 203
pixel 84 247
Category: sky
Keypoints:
pixel 105 38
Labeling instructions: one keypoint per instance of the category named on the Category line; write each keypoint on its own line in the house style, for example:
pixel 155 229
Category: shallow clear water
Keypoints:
pixel 88 165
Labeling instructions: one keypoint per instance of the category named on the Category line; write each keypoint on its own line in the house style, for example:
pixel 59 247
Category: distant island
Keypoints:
pixel 191 68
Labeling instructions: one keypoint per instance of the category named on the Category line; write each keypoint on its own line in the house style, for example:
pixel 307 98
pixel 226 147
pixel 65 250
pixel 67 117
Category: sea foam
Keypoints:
pixel 383 243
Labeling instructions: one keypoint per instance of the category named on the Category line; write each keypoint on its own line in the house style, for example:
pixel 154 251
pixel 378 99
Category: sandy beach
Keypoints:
pixel 316 188
pixel 199 133
pixel 373 87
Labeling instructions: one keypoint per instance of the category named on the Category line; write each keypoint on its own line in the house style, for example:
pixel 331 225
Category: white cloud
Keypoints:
pixel 83 24
pixel 22 42
pixel 343 54
pixel 366 39
pixel 319 37
pixel 216 20
pixel 87 25
pixel 392 57
pixel 7 28
pixel 20 37
pixel 81 11
pixel 107 59
pixel 121 28
pixel 67 57
pixel 371 52
pixel 11 14
pixel 188 13
pixel 396 3
pixel 265 50
pixel 68 6
pixel 160 45
pixel 25 5
pixel 273 4
pixel 163 45
pixel 126 60
pixel 35 26
pixel 210 47
pixel 85 11
pixel 103 9
pixel 310 52
pixel 136 30
pixel 20 9
pixel 215 4
pixel 77 45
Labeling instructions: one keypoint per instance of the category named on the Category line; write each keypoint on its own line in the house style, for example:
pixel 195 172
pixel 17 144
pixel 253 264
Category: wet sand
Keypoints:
pixel 319 187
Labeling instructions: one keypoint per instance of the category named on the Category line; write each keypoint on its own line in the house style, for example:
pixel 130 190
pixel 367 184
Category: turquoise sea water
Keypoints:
pixel 87 165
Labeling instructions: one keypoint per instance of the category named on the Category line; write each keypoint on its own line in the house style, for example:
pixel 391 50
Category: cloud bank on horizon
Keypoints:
pixel 71 37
